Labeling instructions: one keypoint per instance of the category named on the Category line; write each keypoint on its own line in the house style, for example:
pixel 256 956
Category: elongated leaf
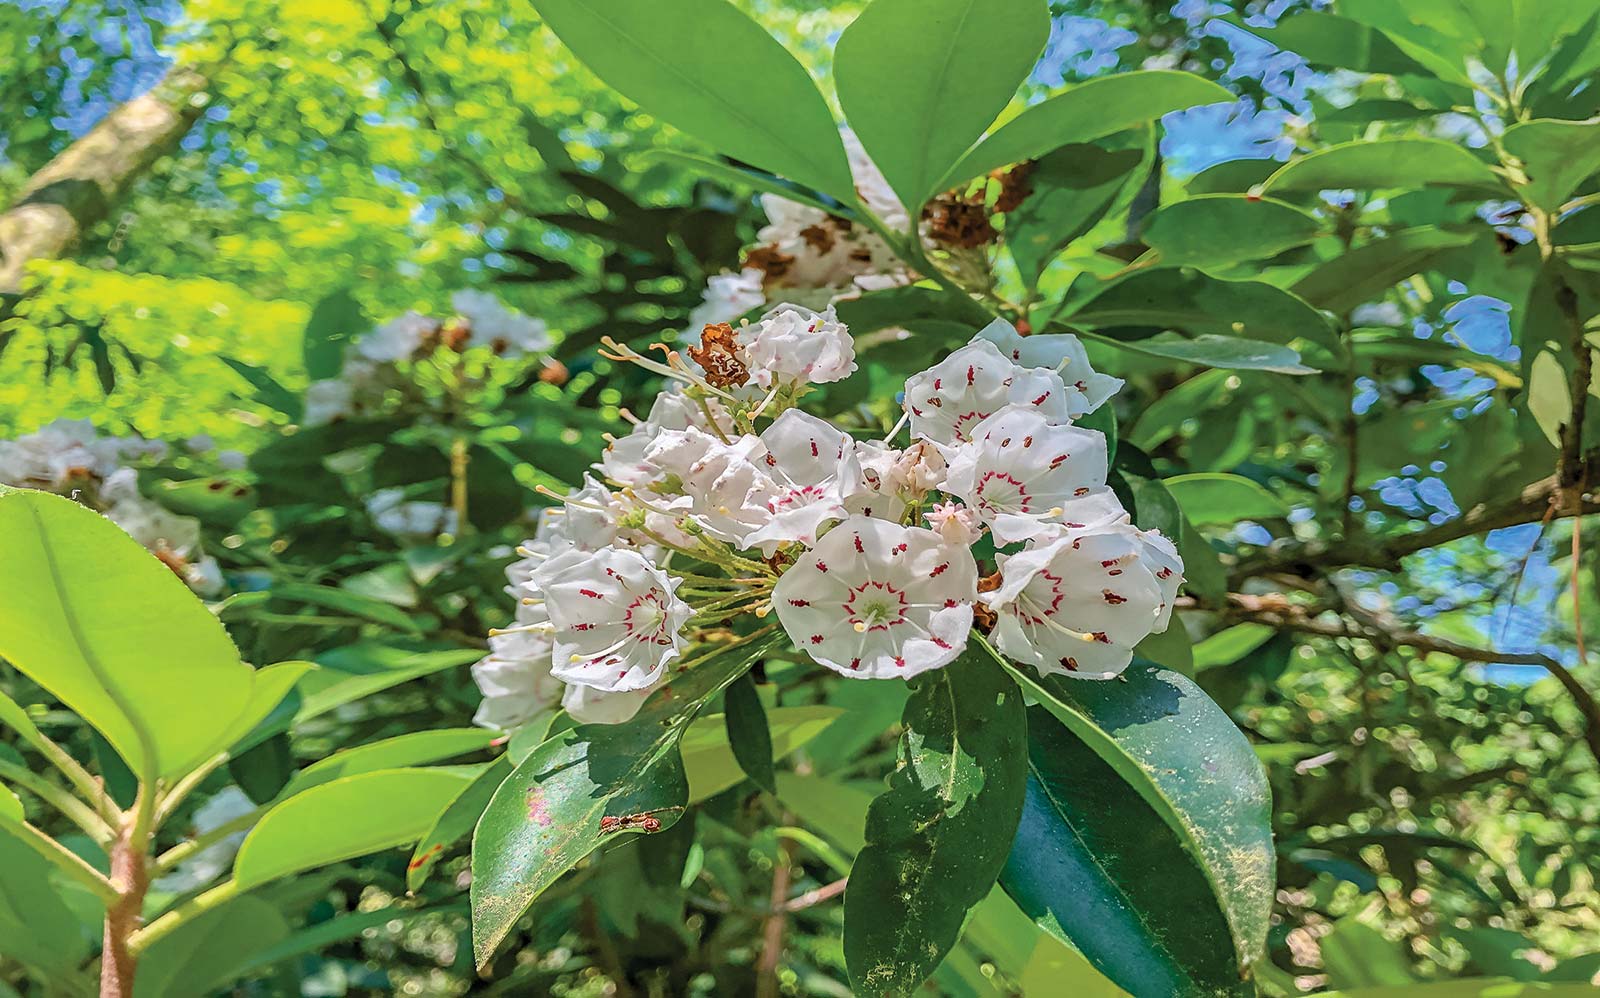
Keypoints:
pixel 736 176
pixel 1216 230
pixel 1409 163
pixel 335 322
pixel 269 391
pixel 347 602
pixel 1074 188
pixel 748 734
pixel 364 668
pixel 111 632
pixel 708 758
pixel 919 80
pixel 1364 273
pixel 938 837
pixel 337 929
pixel 1211 497
pixel 13 716
pixel 1473 987
pixel 547 815
pixel 343 819
pixel 455 822
pixel 1084 113
pixel 1189 300
pixel 1095 865
pixel 1326 39
pixel 402 751
pixel 1557 156
pixel 1181 755
pixel 207 951
pixel 37 929
pixel 10 807
pixel 705 67
pixel 1215 351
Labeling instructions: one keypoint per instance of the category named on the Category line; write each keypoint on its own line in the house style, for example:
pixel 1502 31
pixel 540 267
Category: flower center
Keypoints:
pixel 875 606
pixel 998 492
pixel 646 619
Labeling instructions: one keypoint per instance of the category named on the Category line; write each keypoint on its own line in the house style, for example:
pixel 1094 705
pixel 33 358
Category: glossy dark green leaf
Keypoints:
pixel 919 81
pixel 938 837
pixel 1215 351
pixel 748 734
pixel 336 321
pixel 1074 187
pixel 547 815
pixel 455 822
pixel 693 63
pixel 268 390
pixel 1087 112
pixel 1194 302
pixel 1161 742
pixel 1364 273
pixel 1384 163
pixel 1216 230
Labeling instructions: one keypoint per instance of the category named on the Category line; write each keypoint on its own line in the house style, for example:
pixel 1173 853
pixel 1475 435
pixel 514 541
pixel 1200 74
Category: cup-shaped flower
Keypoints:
pixel 947 400
pixel 876 600
pixel 1078 603
pixel 514 677
pixel 726 483
pixel 878 492
pixel 812 464
pixel 1020 472
pixel 1062 353
pixel 617 618
pixel 624 459
pixel 793 345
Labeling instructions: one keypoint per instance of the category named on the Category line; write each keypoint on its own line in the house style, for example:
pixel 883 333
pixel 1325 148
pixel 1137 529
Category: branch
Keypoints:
pixel 777 921
pixel 1386 633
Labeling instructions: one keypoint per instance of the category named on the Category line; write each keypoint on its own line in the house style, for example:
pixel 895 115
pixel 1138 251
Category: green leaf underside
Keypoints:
pixel 938 837
pixel 94 618
pixel 342 819
pixel 1086 112
pixel 546 816
pixel 1383 163
pixel 919 80
pixel 1185 758
pixel 706 68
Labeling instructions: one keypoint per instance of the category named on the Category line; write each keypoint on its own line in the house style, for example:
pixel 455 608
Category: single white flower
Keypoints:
pixel 792 345
pixel 398 339
pixel 812 464
pixel 1020 472
pixel 588 705
pixel 624 459
pixel 955 523
pixel 1061 353
pixel 1077 603
pixel 919 469
pixel 726 483
pixel 947 400
pixel 617 618
pixel 728 296
pixel 878 493
pixel 876 600
pixel 515 676
pixel 506 331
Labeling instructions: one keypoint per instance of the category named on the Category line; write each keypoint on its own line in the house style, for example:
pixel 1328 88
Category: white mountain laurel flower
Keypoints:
pixel 876 600
pixel 955 523
pixel 947 400
pixel 1077 602
pixel 726 483
pixel 588 705
pixel 792 345
pixel 624 459
pixel 812 464
pixel 515 676
pixel 1062 353
pixel 399 339
pixel 878 493
pixel 1020 472
pixel 506 331
pixel 617 617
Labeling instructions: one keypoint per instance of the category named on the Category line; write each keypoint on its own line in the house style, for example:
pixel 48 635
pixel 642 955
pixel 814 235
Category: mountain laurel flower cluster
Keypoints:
pixel 372 368
pixel 729 505
pixel 70 458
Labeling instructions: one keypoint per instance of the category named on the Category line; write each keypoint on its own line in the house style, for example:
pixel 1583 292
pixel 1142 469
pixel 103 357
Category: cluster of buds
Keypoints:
pixel 69 457
pixel 374 366
pixel 729 504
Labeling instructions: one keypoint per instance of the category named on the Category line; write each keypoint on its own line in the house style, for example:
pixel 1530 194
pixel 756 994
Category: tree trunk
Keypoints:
pixel 84 182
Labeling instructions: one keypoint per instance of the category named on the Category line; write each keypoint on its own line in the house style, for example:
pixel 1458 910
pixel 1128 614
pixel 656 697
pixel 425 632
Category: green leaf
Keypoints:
pixel 1472 987
pixel 418 748
pixel 15 717
pixel 343 819
pixel 1158 740
pixel 704 67
pixel 547 815
pixel 748 734
pixel 1192 301
pixel 1084 113
pixel 1326 39
pixel 1215 498
pixel 734 175
pixel 937 838
pixel 1384 163
pixel 336 321
pixel 112 633
pixel 207 951
pixel 1357 955
pixel 366 667
pixel 919 81
pixel 1230 645
pixel 339 928
pixel 455 822
pixel 11 807
pixel 1214 351
pixel 708 758
pixel 346 602
pixel 1364 273
pixel 1074 188
pixel 269 391
pixel 1217 230
pixel 37 929
pixel 1557 157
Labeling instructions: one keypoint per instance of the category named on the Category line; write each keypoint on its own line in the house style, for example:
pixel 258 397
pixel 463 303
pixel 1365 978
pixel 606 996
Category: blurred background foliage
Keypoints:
pixel 1436 786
